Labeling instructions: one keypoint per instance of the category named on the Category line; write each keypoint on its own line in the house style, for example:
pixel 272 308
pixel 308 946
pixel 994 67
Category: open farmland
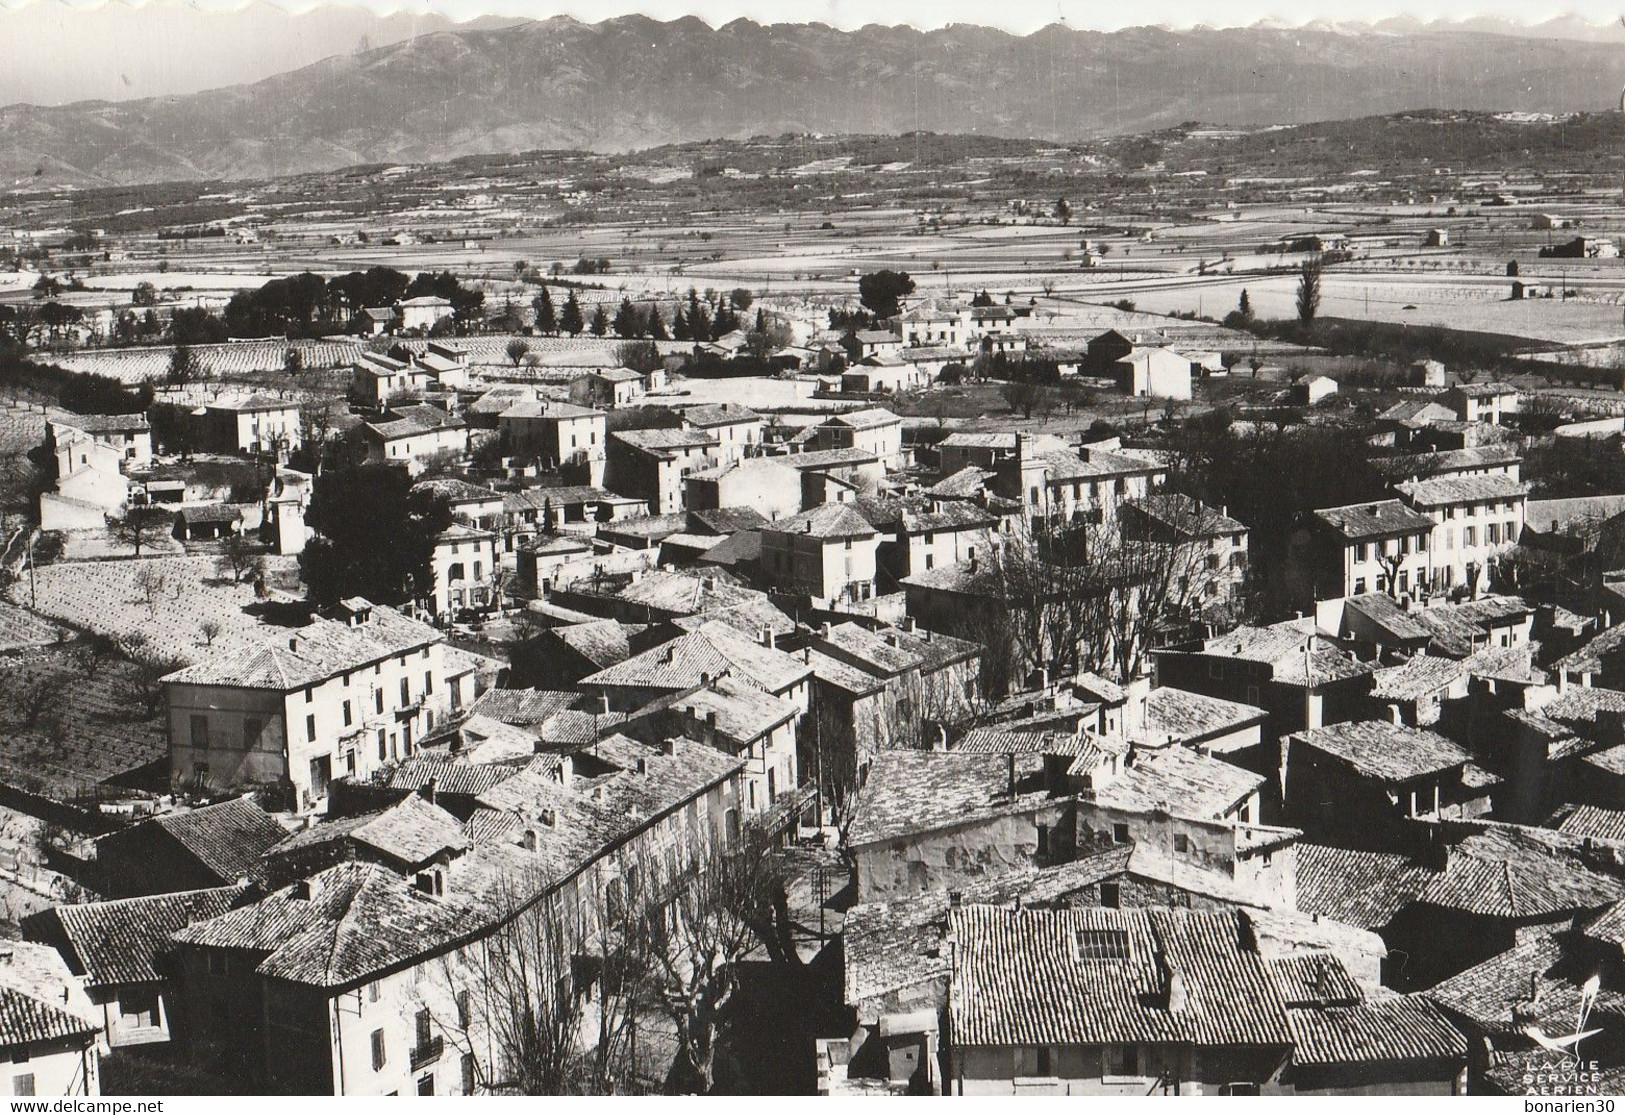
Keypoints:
pixel 106 597
pixel 68 731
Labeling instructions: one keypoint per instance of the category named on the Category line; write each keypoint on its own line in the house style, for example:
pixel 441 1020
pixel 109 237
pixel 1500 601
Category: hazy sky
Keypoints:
pixel 53 51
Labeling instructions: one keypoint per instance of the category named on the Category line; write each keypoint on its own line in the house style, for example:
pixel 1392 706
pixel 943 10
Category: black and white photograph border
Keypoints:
pixel 715 550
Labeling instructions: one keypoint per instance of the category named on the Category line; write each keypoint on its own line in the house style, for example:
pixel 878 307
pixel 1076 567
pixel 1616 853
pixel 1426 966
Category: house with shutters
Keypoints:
pixel 828 554
pixel 292 712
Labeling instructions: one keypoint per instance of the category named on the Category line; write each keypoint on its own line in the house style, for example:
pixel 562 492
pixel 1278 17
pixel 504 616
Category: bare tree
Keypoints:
pixel 534 1010
pixel 149 580
pixel 140 526
pixel 210 630
pixel 239 557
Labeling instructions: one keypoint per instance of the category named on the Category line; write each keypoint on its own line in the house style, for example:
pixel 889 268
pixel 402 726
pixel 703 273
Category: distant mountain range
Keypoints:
pixel 633 82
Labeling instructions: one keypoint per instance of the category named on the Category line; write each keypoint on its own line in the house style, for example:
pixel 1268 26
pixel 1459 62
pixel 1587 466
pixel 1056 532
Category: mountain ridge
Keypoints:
pixel 633 82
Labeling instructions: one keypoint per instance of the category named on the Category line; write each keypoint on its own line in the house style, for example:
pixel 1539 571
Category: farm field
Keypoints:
pixel 69 729
pixel 105 597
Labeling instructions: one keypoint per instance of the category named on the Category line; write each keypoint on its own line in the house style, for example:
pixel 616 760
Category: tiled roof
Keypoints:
pixel 1416 410
pixel 708 651
pixel 964 484
pixel 210 513
pixel 522 706
pixel 1180 716
pixel 917 791
pixel 227 838
pixel 1364 889
pixel 686 594
pixel 602 642
pixel 1483 390
pixel 411 831
pixel 101 423
pixel 533 407
pixel 341 926
pixel 1101 689
pixel 120 942
pixel 1383 1030
pixel 1425 465
pixel 827 520
pixel 1374 520
pixel 1422 675
pixel 750 616
pixel 737 709
pixel 451 776
pixel 1596 822
pixel 1282 645
pixel 454 491
pixel 1176 779
pixel 708 415
pixel 1102 976
pixel 479 739
pixel 865 419
pixel 1495 996
pixel 956 515
pixel 662 441
pixel 39 998
pixel 1188 516
pixel 304 656
pixel 1595 654
pixel 1384 751
pixel 1507 872
pixel 726 520
pixel 899 943
pixel 1462 489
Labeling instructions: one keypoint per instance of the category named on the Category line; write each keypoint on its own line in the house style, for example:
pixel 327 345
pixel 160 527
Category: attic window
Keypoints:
pixel 1100 944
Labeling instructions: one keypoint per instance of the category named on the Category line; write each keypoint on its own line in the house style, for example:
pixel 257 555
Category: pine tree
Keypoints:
pixel 655 325
pixel 626 320
pixel 1244 306
pixel 761 320
pixel 679 326
pixel 699 322
pixel 570 320
pixel 546 322
pixel 600 321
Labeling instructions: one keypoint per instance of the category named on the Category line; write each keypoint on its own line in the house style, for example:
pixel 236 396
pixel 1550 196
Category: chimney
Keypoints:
pixel 824 629
pixel 643 764
pixel 806 655
pixel 293 643
pixel 1534 989
pixel 603 704
pixel 940 741
pixel 567 771
pixel 301 890
pixel 709 584
pixel 806 527
pixel 1178 998
pixel 528 840
pixel 668 748
pixel 908 624
pixel 767 637
pixel 427 792
pixel 1393 715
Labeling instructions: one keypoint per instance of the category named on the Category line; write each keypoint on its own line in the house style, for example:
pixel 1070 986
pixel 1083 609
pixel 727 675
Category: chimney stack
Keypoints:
pixel 429 788
pixel 1178 997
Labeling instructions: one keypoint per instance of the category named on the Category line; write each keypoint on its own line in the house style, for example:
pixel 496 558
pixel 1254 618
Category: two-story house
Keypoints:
pixel 737 430
pixel 258 424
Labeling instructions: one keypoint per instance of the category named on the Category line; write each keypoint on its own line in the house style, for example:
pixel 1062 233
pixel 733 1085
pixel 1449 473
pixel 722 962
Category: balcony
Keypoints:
pixel 428 1053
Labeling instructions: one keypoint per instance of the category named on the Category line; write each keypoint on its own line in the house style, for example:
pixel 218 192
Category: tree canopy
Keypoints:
pixel 383 554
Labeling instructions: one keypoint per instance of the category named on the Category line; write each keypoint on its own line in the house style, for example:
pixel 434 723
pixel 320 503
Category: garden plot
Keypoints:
pixel 21 629
pixel 165 601
pixel 67 727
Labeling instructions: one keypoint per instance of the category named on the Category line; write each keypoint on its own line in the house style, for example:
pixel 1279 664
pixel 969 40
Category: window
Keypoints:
pixel 464 1010
pixel 1120 833
pixel 383 746
pixel 1111 895
pixel 374 990
pixel 348 717
pixel 379 1055
pixel 426 1085
pixel 200 731
pixel 425 1028
pixel 1359 586
pixel 468 1074
pixel 1122 1060
pixel 1182 843
pixel 138 1008
pixel 428 683
pixel 1043 840
pixel 406 692
pixel 22 1084
pixel 1469 536
pixel 1100 944
pixel 378 699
